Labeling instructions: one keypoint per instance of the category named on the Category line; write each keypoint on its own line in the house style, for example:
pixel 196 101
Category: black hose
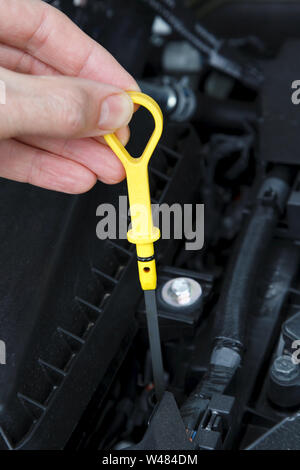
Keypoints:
pixel 249 254
pixel 240 278
pixel 241 275
pixel 181 103
pixel 228 114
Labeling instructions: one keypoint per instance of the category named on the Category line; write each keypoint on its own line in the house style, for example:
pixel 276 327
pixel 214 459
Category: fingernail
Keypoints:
pixel 116 112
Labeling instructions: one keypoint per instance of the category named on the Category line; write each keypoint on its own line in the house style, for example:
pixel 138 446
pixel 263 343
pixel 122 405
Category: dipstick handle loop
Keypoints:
pixel 142 232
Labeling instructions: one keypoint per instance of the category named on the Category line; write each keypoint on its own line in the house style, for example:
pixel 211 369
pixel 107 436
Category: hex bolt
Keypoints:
pixel 181 292
pixel 284 369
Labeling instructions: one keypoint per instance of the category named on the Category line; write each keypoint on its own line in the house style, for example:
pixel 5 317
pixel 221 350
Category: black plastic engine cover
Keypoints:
pixel 67 299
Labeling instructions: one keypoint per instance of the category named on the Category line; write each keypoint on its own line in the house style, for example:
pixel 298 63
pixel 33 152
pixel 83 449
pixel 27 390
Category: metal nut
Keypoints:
pixel 284 369
pixel 181 292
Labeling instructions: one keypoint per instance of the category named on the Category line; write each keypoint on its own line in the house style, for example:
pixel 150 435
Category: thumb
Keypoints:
pixel 60 106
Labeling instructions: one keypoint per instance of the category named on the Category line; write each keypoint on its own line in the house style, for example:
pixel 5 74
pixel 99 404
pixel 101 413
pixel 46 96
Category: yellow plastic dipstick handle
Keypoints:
pixel 142 232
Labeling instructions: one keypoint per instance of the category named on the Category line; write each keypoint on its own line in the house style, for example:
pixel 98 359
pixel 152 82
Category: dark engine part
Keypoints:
pixel 179 101
pixel 233 306
pixel 71 329
pixel 77 373
pixel 279 124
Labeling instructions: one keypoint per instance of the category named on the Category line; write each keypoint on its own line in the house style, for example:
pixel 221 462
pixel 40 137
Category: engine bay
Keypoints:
pixel 78 372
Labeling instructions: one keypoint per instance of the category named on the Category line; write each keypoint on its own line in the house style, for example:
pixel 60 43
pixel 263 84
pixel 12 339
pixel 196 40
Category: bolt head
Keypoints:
pixel 181 292
pixel 180 285
pixel 283 368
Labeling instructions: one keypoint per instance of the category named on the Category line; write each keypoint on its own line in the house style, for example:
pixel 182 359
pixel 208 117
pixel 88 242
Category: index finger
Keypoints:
pixel 50 36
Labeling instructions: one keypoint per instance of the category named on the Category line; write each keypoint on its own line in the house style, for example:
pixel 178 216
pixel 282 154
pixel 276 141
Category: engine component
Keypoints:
pixel 218 56
pixel 284 380
pixel 284 369
pixel 77 372
pixel 280 113
pixel 179 101
pixel 181 57
pixel 285 435
pixel 291 333
pixel 293 210
pixel 181 292
pixel 230 322
pixel 80 322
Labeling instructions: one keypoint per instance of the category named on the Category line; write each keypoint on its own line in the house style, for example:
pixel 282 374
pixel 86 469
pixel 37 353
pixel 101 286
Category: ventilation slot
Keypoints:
pixel 52 373
pixel 74 342
pixel 33 407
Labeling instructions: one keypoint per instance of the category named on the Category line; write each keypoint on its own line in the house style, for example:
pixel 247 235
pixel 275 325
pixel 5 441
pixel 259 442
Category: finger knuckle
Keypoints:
pixel 73 116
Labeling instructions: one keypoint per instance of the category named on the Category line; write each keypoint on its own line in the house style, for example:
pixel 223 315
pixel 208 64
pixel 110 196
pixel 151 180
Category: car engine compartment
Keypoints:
pixel 78 369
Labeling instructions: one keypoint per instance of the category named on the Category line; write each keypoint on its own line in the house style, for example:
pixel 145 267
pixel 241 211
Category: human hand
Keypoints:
pixel 63 91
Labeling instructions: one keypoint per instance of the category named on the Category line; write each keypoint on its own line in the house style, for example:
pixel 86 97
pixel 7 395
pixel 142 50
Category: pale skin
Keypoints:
pixel 63 92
